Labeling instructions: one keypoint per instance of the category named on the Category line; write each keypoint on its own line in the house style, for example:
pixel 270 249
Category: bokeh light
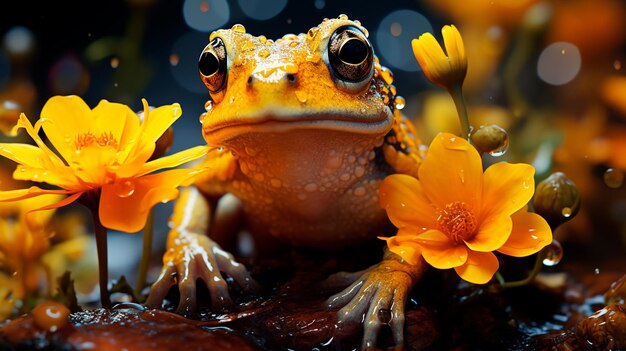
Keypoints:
pixel 19 40
pixel 69 76
pixel 206 15
pixel 394 35
pixel 261 9
pixel 559 63
pixel 185 53
pixel 319 4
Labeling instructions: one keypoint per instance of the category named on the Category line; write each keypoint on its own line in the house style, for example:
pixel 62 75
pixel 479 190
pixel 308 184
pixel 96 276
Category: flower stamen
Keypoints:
pixel 457 221
pixel 87 139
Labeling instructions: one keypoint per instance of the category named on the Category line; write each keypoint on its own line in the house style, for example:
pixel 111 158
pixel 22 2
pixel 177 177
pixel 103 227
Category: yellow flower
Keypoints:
pixel 455 216
pixel 104 151
pixel 446 71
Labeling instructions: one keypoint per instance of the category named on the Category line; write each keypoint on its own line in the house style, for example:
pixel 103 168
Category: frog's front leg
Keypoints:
pixel 376 297
pixel 191 255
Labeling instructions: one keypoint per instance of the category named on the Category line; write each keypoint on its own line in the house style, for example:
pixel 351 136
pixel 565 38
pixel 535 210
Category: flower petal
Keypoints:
pixel 530 234
pixel 405 247
pixel 507 187
pixel 430 56
pixel 493 232
pixel 61 178
pixel 158 120
pixel 479 268
pixel 452 172
pixel 439 251
pixel 117 119
pixel 171 161
pixel 19 194
pixel 124 205
pixel 406 205
pixel 455 49
pixel 24 154
pixel 65 117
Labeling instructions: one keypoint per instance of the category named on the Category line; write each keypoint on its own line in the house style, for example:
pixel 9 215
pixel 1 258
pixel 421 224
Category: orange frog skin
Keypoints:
pixel 304 129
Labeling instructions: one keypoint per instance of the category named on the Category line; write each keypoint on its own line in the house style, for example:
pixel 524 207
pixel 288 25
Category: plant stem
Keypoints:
pixel 146 249
pixel 538 263
pixel 103 265
pixel 456 92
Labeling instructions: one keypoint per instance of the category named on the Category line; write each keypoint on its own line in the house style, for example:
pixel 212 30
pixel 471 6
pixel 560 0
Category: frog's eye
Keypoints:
pixel 212 65
pixel 350 54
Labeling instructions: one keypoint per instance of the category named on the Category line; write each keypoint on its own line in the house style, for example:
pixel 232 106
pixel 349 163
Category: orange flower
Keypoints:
pixel 103 151
pixel 455 216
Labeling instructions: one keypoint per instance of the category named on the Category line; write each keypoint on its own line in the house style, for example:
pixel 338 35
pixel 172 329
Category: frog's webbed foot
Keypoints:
pixel 376 297
pixel 198 257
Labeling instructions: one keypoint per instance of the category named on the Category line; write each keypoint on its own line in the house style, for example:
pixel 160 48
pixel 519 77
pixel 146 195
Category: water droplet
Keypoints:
pixel 301 95
pixel 613 178
pixel 502 148
pixel 312 32
pixel 208 106
pixel 566 212
pixel 125 188
pixel 201 118
pixel 386 74
pixel 554 254
pixel 238 28
pixel 462 176
pixel 596 271
pixel 343 17
pixel 263 53
pixel 399 102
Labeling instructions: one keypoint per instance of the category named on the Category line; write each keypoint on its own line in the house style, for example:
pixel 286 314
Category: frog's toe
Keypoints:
pixel 236 270
pixel 341 280
pixel 160 288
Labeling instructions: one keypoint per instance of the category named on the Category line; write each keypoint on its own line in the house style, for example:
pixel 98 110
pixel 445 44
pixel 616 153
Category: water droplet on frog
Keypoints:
pixel 554 254
pixel 399 102
pixel 208 106
pixel 238 28
pixel 263 53
pixel 502 148
pixel 613 178
pixel 386 74
pixel 312 32
pixel 125 188
pixel 343 17
pixel 201 118
pixel 566 212
pixel 301 95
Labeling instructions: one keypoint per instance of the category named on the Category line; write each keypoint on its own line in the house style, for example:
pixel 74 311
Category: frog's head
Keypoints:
pixel 326 79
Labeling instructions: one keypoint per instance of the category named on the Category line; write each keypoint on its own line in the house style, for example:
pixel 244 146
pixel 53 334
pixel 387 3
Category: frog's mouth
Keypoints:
pixel 217 133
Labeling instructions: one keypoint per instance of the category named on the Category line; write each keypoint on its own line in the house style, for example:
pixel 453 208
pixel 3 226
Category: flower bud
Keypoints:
pixel 491 138
pixel 556 199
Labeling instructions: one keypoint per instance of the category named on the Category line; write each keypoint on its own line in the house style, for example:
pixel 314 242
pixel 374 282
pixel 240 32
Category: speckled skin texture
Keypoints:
pixel 303 151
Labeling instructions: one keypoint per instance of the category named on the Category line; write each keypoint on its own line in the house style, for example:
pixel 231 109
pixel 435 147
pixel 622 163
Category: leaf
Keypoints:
pixel 66 294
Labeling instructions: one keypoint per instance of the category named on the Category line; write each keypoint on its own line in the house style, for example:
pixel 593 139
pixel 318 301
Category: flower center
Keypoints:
pixel 88 139
pixel 457 221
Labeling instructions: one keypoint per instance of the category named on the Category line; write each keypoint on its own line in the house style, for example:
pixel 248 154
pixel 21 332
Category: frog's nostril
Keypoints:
pixel 250 80
pixel 291 78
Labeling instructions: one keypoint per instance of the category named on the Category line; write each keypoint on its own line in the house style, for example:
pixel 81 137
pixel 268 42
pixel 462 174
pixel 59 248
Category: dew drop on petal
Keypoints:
pixel 554 254
pixel 125 188
pixel 613 178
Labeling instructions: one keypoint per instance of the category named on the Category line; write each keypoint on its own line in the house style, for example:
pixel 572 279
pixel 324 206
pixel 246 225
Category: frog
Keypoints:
pixel 302 130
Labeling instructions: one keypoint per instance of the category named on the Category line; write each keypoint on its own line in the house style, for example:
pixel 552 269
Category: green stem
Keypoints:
pixel 538 263
pixel 456 92
pixel 103 268
pixel 146 249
